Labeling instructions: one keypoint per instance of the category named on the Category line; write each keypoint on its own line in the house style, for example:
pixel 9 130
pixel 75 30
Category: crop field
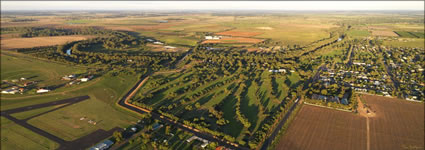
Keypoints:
pixel 14 136
pixel 324 129
pixel 171 93
pixel 398 124
pixel 383 33
pixel 15 43
pixel 234 40
pixel 410 42
pixel 358 33
pixel 407 34
pixel 239 33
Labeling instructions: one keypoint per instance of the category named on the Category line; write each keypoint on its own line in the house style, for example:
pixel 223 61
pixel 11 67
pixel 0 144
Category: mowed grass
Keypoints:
pixel 256 98
pixel 31 113
pixel 45 73
pixel 101 107
pixel 293 79
pixel 104 92
pixel 15 137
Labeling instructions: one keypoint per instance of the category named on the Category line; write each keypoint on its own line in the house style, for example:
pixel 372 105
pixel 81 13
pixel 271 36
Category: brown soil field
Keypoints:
pixel 398 124
pixel 318 26
pixel 9 35
pixel 239 33
pixel 14 43
pixel 383 33
pixel 234 40
pixel 316 128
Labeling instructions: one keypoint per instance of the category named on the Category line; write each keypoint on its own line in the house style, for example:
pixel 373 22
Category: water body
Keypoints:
pixel 68 52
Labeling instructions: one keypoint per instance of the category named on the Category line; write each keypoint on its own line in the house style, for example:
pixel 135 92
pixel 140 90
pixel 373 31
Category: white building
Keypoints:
pixel 158 43
pixel 169 47
pixel 212 37
pixel 42 90
pixel 102 146
pixel 10 91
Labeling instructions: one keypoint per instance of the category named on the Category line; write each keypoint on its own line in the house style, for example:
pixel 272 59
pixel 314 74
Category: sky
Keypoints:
pixel 212 5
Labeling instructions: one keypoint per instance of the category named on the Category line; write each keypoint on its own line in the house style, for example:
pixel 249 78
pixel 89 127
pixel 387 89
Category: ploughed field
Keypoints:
pixel 16 43
pixel 398 124
pixel 324 129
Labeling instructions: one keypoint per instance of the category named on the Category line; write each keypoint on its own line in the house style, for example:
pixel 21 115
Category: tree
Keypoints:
pixel 118 136
pixel 324 92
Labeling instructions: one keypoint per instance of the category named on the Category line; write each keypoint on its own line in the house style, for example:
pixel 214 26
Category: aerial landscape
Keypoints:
pixel 122 76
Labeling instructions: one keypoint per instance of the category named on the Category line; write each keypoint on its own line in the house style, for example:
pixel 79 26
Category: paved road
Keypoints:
pixel 157 116
pixel 80 143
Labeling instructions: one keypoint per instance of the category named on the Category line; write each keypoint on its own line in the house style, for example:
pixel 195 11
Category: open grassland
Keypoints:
pixel 16 137
pixel 234 40
pixel 324 129
pixel 45 73
pixel 383 33
pixel 398 124
pixel 15 43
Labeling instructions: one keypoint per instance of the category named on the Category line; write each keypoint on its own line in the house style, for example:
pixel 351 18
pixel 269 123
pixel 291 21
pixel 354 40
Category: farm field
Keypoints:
pixel 383 33
pixel 234 40
pixel 398 124
pixel 324 129
pixel 15 43
pixel 409 42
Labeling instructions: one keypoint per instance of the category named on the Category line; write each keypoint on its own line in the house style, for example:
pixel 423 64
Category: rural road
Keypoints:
pixel 123 102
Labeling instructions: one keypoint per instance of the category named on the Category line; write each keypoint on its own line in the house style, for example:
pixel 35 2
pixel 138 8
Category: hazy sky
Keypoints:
pixel 211 5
